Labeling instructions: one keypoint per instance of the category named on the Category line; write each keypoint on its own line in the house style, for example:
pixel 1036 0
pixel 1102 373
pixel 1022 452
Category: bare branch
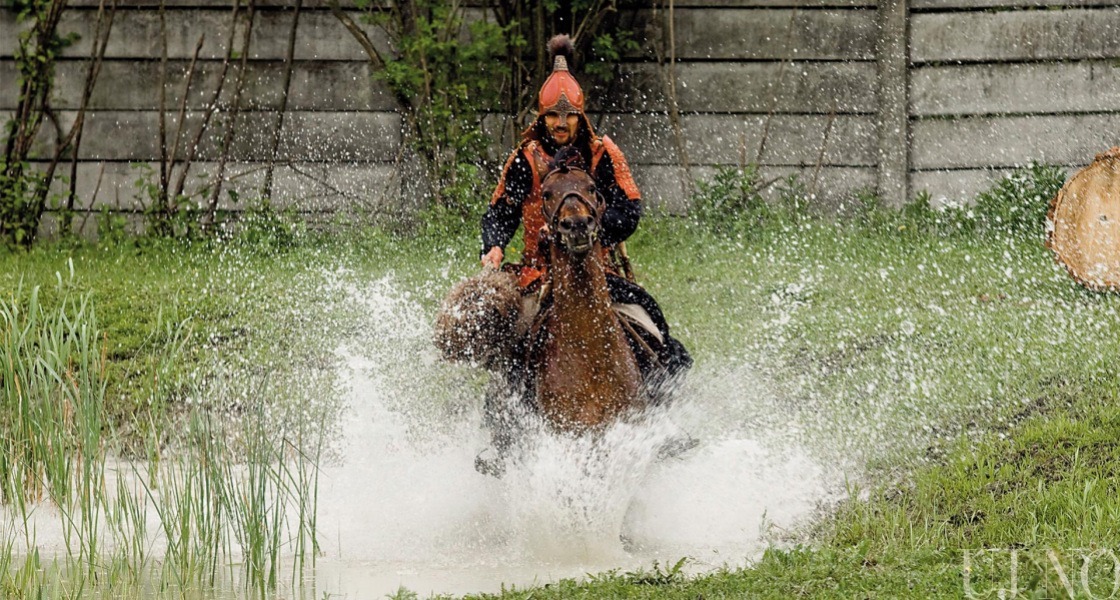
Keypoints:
pixel 358 33
pixel 211 106
pixel 100 43
pixel 820 155
pixel 777 86
pixel 72 138
pixel 182 120
pixel 231 122
pixel 289 62
pixel 163 174
pixel 323 182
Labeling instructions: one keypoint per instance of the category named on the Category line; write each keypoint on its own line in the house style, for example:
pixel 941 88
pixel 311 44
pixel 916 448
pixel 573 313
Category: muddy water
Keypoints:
pixel 405 507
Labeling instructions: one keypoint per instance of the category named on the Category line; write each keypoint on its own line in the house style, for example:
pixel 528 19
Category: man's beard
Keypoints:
pixel 567 139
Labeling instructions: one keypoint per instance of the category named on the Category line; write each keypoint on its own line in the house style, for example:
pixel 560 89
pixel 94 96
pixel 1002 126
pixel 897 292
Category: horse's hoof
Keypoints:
pixel 677 447
pixel 488 462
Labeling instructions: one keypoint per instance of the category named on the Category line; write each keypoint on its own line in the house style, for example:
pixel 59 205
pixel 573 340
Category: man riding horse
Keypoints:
pixel 517 200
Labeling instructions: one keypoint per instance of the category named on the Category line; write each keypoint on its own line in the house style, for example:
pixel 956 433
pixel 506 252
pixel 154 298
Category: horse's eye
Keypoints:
pixel 547 195
pixel 591 189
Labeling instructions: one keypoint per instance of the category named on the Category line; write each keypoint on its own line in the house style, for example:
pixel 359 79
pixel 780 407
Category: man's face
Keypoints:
pixel 562 130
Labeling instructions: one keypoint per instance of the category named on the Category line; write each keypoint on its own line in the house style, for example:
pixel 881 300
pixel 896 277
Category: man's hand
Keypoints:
pixel 493 258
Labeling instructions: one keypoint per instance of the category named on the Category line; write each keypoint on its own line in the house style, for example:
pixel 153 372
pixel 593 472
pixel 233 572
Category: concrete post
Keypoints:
pixel 894 101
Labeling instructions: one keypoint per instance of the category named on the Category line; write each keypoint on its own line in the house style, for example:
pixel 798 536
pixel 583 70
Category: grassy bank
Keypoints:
pixel 972 381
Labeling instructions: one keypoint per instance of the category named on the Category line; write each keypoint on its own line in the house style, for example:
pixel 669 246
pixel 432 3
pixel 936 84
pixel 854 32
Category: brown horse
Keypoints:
pixel 586 373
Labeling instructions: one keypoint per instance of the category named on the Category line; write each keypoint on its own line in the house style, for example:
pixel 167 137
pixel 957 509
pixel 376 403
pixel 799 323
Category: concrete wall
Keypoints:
pixel 896 95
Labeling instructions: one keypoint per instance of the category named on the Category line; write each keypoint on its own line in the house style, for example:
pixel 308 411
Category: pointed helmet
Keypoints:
pixel 561 92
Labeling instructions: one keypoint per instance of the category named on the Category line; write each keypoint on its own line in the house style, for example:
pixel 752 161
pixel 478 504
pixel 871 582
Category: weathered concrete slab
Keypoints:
pixel 976 142
pixel 1016 35
pixel 734 139
pixel 308 5
pixel 804 87
pixel 1047 91
pixel 762 34
pixel 977 4
pixel 134 85
pixel 312 187
pixel 306 136
pixel 1015 88
pixel 136 34
pixel 9 84
pixel 774 3
pixel 834 187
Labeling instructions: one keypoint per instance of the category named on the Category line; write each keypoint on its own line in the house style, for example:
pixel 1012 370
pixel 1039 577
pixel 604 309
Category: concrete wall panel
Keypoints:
pixel 303 186
pixel 727 139
pixel 960 187
pixel 306 136
pixel 1016 35
pixel 1015 88
pixel 759 87
pixel 976 142
pixel 833 188
pixel 134 85
pixel 759 34
pixel 981 4
pixel 136 34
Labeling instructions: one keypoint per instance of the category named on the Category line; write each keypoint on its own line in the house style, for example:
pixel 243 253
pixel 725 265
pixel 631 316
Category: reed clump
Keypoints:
pixel 211 513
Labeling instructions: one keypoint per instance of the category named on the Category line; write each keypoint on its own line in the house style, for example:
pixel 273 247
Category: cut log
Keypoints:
pixel 1083 225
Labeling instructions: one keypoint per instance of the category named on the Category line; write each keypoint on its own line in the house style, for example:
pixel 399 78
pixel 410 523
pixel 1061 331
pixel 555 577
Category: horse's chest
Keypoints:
pixel 586 380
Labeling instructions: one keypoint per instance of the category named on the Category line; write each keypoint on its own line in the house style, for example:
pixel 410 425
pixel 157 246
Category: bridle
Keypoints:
pixel 592 207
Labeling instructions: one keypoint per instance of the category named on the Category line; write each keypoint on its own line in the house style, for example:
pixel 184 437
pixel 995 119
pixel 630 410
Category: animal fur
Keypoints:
pixel 477 321
pixel 561 45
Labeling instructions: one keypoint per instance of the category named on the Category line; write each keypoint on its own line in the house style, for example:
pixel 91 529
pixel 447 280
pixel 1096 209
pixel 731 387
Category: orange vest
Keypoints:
pixel 532 219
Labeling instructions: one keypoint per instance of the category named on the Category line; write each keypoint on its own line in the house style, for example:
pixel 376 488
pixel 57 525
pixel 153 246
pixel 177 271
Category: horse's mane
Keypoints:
pixel 569 157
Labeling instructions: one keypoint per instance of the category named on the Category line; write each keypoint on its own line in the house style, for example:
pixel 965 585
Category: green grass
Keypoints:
pixel 964 370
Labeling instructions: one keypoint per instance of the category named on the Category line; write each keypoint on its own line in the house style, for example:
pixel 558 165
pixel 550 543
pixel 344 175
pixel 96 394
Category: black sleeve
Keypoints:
pixel 502 218
pixel 621 217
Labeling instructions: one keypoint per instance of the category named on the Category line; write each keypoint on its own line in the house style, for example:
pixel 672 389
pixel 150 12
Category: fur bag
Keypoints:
pixel 477 322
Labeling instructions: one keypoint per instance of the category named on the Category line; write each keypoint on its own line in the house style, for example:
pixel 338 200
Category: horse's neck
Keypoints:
pixel 580 286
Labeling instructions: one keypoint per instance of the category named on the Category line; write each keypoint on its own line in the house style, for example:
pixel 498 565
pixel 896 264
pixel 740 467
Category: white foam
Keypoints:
pixel 406 506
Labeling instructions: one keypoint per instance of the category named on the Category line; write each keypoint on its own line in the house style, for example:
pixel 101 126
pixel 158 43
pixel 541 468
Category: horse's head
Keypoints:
pixel 572 206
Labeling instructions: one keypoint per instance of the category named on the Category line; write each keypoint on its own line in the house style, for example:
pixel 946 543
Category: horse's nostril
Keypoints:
pixel 573 224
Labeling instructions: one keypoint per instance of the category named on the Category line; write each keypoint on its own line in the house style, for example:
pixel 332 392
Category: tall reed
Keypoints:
pixel 227 495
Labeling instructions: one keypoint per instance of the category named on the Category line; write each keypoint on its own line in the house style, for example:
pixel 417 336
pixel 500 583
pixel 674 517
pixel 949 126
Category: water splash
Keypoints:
pixel 406 507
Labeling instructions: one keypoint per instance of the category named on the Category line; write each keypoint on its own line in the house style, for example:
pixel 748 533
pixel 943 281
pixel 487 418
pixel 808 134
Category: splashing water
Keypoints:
pixel 405 507
pixel 402 505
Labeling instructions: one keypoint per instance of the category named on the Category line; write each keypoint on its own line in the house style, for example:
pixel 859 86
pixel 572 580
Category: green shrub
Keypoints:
pixel 1015 204
pixel 1018 202
pixel 872 213
pixel 916 216
pixel 730 198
